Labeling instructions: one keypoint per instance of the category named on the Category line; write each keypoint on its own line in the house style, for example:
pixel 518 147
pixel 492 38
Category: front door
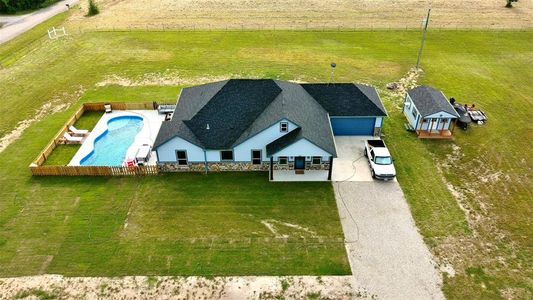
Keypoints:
pixel 299 164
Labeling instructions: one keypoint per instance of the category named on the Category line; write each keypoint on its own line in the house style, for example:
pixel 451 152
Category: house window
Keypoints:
pixel 256 157
pixel 181 157
pixel 444 121
pixel 414 113
pixel 284 126
pixel 316 160
pixel 282 160
pixel 226 155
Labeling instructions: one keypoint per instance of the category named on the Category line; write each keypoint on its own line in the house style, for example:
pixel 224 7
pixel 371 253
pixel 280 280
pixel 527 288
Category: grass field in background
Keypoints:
pixel 77 219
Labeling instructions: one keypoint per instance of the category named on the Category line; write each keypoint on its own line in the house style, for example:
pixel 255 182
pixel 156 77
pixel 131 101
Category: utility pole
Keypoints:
pixel 426 24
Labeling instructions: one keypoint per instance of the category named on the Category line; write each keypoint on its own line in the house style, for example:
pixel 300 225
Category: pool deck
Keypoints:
pixel 151 123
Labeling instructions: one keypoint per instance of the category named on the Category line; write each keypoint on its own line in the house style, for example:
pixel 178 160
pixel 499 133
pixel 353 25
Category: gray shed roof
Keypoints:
pixel 429 101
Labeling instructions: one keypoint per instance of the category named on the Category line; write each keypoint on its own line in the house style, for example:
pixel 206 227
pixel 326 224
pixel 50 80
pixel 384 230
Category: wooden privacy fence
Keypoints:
pixel 93 171
pixel 38 169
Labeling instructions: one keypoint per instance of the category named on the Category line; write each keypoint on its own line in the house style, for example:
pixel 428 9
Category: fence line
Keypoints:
pixel 93 171
pixel 296 28
pixel 37 168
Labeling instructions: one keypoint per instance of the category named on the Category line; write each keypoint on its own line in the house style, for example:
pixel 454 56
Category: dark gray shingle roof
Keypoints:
pixel 284 141
pixel 347 99
pixel 238 109
pixel 297 106
pixel 231 111
pixel 201 94
pixel 429 101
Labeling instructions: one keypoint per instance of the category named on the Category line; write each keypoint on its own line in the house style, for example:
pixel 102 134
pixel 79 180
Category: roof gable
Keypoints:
pixel 347 99
pixel 220 122
pixel 430 101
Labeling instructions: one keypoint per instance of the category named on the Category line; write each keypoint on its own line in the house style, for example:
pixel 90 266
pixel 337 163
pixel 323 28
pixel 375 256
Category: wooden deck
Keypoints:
pixel 441 134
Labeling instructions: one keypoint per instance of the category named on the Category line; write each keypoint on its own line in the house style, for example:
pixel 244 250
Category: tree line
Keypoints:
pixel 14 6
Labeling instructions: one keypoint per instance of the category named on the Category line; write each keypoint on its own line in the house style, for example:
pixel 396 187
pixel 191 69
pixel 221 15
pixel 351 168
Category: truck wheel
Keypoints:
pixel 372 173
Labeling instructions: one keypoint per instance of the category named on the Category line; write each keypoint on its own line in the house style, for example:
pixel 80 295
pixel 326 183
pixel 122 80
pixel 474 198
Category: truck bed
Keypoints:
pixel 376 143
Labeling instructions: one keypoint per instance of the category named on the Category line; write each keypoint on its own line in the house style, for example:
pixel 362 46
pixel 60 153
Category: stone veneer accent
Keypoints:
pixel 234 167
pixel 213 167
pixel 308 166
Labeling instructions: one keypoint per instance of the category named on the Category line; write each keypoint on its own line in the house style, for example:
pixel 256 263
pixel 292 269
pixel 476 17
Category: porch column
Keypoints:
pixel 272 168
pixel 453 126
pixel 421 124
pixel 330 167
pixel 430 126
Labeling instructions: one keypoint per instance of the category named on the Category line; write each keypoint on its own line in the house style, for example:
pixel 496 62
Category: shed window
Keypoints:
pixel 284 126
pixel 282 160
pixel 414 113
pixel 317 160
pixel 226 155
pixel 256 157
pixel 181 157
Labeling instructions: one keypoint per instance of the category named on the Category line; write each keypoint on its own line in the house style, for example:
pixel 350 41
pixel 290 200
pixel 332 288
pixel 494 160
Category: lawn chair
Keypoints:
pixel 108 108
pixel 72 139
pixel 78 132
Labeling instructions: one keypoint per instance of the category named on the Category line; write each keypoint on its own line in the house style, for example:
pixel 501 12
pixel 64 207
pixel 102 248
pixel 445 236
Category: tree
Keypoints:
pixel 93 9
pixel 510 3
pixel 13 6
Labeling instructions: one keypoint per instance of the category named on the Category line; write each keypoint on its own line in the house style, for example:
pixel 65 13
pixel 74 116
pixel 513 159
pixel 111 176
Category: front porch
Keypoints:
pixel 292 175
pixel 434 134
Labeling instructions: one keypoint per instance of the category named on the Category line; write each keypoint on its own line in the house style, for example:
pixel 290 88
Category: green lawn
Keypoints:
pixel 192 224
pixel 62 155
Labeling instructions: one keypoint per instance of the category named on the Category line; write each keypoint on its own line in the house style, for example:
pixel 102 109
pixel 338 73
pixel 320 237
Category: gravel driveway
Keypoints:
pixel 387 254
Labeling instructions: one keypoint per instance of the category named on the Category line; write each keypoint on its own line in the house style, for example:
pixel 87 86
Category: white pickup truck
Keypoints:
pixel 380 160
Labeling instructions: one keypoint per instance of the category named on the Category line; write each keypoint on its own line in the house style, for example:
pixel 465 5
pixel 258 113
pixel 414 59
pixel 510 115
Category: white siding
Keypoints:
pixel 243 151
pixel 441 114
pixel 379 122
pixel 409 107
pixel 303 147
pixel 167 151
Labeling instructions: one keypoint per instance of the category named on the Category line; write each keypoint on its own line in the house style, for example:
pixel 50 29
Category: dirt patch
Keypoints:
pixel 271 226
pixel 57 104
pixel 167 78
pixel 163 287
pixel 304 14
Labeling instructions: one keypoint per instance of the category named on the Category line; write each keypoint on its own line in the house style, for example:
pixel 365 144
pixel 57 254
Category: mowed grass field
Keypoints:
pixel 193 224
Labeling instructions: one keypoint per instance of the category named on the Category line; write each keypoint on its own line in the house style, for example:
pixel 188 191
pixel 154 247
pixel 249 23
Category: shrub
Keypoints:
pixel 93 9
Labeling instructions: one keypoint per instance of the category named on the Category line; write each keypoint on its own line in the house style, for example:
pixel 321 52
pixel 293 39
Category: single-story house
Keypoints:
pixel 264 124
pixel 429 113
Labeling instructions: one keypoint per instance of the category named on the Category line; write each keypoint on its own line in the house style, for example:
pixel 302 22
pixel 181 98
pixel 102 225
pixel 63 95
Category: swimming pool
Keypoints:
pixel 111 146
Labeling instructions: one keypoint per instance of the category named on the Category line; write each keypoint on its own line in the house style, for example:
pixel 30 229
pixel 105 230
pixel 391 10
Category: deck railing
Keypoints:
pixel 38 169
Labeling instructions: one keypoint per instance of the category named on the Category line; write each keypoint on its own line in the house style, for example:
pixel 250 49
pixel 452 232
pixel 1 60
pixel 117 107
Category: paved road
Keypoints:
pixel 17 25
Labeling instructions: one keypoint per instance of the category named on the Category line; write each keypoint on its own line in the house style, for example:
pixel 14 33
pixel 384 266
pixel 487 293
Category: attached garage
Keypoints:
pixel 353 126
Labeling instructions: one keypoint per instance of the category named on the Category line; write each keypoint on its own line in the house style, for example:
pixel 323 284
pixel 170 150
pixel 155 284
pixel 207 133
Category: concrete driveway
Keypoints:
pixel 14 26
pixel 387 254
pixel 350 164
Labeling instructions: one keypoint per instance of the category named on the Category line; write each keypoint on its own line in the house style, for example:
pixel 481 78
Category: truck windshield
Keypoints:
pixel 383 160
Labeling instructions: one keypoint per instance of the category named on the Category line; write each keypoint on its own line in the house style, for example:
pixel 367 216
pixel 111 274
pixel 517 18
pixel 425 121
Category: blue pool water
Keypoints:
pixel 111 146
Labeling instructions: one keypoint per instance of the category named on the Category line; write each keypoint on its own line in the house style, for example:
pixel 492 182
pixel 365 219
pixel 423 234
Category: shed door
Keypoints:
pixel 353 126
